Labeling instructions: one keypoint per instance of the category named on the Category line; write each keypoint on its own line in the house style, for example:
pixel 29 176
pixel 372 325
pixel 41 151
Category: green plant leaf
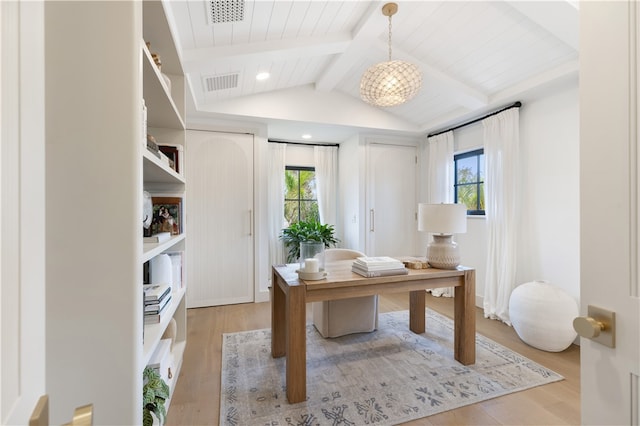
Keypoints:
pixel 155 392
pixel 306 231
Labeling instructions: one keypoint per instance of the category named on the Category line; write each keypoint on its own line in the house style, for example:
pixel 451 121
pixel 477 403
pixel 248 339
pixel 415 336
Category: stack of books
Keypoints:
pixel 380 266
pixel 160 237
pixel 156 299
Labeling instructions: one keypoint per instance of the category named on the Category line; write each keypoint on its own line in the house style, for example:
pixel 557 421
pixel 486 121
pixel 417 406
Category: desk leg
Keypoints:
pixel 416 311
pixel 278 321
pixel 296 364
pixel 465 320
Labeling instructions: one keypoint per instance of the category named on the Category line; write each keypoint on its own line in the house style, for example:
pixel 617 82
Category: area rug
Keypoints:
pixel 385 377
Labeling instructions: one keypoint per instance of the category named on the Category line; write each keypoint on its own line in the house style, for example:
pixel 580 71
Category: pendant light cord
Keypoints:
pixel 389 38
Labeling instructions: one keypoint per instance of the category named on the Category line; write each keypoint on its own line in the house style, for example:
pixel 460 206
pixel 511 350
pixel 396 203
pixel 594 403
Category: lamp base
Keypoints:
pixel 443 253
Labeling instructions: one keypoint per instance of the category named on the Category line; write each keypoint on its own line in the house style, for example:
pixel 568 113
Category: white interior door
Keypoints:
pixel 610 210
pixel 22 257
pixel 220 222
pixel 391 200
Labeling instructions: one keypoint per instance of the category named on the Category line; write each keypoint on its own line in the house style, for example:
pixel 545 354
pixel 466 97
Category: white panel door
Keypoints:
pixel 220 241
pixel 610 207
pixel 22 257
pixel 391 200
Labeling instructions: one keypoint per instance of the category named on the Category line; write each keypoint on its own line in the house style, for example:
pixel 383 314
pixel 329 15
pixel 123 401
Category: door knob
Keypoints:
pixel 598 325
pixel 587 327
pixel 83 416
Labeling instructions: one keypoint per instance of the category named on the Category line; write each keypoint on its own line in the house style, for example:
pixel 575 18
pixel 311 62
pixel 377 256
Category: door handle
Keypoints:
pixel 250 222
pixel 599 325
pixel 82 416
pixel 40 415
pixel 372 220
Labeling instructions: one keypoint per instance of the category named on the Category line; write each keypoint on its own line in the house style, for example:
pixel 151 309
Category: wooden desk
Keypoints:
pixel 290 296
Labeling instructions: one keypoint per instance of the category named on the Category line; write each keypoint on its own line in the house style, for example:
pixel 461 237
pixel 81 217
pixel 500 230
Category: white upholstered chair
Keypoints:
pixel 334 318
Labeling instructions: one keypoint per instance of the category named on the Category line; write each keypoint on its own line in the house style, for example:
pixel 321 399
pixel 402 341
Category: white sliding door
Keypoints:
pixel 391 200
pixel 220 222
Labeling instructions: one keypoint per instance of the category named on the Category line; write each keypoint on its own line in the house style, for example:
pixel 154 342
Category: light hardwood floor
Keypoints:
pixel 196 399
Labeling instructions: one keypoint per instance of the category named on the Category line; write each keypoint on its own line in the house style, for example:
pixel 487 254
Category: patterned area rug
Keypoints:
pixel 386 377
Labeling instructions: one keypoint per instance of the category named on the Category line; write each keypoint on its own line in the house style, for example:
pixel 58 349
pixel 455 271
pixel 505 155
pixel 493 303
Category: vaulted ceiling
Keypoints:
pixel 474 57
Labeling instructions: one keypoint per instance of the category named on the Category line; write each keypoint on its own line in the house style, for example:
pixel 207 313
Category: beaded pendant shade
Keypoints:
pixel 393 82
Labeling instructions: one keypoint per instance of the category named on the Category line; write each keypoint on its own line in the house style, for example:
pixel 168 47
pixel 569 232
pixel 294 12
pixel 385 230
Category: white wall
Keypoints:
pixel 549 242
pixel 299 155
pixel 548 236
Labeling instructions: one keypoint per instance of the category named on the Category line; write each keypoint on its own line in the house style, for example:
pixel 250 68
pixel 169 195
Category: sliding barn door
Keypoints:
pixel 220 232
pixel 391 200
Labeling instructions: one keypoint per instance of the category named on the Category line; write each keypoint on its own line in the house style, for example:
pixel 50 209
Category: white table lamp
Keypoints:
pixel 443 220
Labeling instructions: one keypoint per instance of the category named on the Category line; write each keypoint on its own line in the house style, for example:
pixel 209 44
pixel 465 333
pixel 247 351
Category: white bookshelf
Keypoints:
pixel 96 170
pixel 165 121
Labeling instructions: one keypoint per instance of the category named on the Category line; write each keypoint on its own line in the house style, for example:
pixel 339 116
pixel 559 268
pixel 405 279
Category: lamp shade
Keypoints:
pixel 442 218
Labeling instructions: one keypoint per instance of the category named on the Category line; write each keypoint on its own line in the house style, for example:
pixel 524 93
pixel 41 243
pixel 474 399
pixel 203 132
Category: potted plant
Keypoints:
pixel 311 230
pixel 154 394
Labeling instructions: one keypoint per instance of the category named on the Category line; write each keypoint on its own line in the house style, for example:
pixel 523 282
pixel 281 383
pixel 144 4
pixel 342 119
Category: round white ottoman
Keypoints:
pixel 542 315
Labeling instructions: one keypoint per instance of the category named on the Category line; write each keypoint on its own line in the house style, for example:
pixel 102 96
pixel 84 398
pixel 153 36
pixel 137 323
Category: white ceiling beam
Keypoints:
pixel 560 18
pixel 567 70
pixel 369 28
pixel 194 60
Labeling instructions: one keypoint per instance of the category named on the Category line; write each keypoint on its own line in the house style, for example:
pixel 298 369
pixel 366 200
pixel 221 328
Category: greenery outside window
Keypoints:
pixel 300 199
pixel 469 180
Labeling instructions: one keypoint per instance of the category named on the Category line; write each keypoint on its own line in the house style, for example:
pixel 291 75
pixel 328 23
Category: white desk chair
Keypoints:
pixel 334 318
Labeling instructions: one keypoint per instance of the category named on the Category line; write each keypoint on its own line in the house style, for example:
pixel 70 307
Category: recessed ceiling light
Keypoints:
pixel 262 76
pixel 306 136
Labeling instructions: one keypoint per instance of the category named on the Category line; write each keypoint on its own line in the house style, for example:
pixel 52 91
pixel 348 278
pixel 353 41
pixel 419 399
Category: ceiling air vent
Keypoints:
pixel 221 82
pixel 221 11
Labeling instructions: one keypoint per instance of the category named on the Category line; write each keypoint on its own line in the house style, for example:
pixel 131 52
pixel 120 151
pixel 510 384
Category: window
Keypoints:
pixel 300 199
pixel 469 181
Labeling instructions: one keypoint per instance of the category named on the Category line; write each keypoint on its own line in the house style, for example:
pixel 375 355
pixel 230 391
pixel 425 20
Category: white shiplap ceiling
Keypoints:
pixel 474 56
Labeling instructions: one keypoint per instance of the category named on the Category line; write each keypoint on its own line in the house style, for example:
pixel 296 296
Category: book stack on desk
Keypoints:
pixel 380 266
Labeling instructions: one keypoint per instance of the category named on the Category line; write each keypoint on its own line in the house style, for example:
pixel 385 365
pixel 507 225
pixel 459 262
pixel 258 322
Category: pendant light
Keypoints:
pixel 393 82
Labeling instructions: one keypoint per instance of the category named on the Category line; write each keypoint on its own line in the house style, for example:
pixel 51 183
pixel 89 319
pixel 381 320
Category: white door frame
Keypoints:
pixel 22 218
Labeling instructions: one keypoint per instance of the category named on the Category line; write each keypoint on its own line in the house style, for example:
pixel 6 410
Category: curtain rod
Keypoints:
pixel 303 143
pixel 475 120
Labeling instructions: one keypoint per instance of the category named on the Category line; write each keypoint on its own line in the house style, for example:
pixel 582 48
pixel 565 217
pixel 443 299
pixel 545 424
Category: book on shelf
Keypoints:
pixel 160 237
pixel 174 152
pixel 155 317
pixel 156 307
pixel 152 319
pixel 379 272
pixel 155 292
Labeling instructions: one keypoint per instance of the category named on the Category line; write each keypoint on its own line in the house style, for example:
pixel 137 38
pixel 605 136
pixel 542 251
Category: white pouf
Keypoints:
pixel 542 315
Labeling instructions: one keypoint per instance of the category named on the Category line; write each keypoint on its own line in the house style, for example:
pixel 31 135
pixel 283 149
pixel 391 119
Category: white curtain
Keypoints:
pixel 326 164
pixel 501 144
pixel 275 202
pixel 440 180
